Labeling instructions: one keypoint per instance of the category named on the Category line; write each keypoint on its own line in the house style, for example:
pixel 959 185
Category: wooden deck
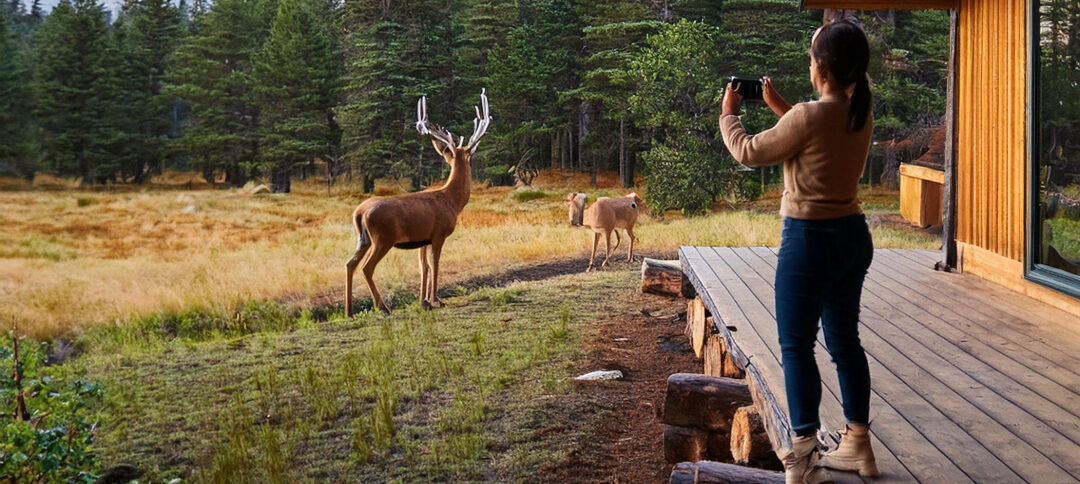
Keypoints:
pixel 970 382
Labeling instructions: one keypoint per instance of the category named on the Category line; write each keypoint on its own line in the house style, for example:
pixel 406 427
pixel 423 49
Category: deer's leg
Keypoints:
pixel 630 252
pixel 617 239
pixel 350 269
pixel 595 242
pixel 436 252
pixel 425 289
pixel 374 255
pixel 607 247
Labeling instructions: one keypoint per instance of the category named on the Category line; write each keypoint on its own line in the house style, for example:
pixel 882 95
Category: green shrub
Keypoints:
pixel 526 195
pixel 55 444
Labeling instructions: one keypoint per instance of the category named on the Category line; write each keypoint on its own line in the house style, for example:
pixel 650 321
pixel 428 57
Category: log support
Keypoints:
pixel 707 472
pixel 697 325
pixel 708 402
pixel 749 443
pixel 664 277
pixel 685 444
pixel 718 360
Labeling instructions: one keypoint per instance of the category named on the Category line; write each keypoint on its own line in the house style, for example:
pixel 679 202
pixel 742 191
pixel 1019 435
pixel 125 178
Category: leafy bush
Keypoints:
pixel 54 443
pixel 526 195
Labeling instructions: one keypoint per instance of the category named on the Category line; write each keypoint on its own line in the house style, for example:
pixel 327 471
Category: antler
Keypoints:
pixel 480 124
pixel 439 133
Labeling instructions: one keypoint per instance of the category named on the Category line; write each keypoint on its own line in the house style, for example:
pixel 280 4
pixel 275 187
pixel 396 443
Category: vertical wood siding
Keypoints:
pixel 991 125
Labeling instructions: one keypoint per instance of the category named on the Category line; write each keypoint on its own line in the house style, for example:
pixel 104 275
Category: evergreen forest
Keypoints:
pixel 277 89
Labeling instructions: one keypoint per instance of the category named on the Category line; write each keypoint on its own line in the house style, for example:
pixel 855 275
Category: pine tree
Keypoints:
pixel 153 32
pixel 486 24
pixel 395 52
pixel 295 75
pixel 210 73
pixel 526 76
pixel 615 33
pixel 70 78
pixel 16 155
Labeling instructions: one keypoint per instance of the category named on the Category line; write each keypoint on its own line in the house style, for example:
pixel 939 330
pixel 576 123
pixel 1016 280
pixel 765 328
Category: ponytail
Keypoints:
pixel 860 105
pixel 841 48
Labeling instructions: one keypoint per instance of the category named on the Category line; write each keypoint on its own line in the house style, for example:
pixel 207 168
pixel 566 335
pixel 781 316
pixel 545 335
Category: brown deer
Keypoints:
pixel 416 220
pixel 603 217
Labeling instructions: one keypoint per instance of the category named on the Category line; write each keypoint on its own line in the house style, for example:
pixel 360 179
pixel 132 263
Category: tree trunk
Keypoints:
pixel 833 14
pixel 626 172
pixel 568 150
pixel 706 472
pixel 555 151
pixel 695 400
pixel 663 277
pixel 280 179
pixel 749 442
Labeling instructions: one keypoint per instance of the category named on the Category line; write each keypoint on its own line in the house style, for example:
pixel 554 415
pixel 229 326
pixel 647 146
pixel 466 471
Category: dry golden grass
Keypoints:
pixel 70 260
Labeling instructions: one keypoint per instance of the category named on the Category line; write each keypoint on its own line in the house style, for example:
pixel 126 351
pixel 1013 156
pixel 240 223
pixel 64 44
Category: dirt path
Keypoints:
pixel 625 438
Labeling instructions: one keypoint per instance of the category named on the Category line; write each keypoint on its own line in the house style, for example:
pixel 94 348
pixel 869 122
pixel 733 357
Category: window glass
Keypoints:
pixel 1056 160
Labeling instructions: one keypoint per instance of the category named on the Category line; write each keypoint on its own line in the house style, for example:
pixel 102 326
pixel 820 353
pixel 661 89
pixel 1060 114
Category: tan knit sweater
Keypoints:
pixel 822 161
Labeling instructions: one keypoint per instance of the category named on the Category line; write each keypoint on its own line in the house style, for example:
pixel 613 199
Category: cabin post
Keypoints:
pixel 948 223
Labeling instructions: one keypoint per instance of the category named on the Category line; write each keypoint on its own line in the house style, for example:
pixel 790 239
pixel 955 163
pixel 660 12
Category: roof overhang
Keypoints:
pixel 879 5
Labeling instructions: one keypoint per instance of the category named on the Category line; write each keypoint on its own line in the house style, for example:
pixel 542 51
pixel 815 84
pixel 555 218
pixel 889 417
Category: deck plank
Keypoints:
pixel 985 319
pixel 725 313
pixel 995 301
pixel 965 386
pixel 932 429
pixel 1020 374
pixel 750 264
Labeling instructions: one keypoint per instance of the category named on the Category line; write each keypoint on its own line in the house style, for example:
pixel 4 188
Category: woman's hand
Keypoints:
pixel 731 102
pixel 773 99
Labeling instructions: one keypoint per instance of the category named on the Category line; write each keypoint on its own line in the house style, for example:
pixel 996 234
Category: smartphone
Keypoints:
pixel 749 89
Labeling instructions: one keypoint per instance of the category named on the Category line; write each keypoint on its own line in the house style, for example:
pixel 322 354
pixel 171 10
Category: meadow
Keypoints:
pixel 75 259
pixel 208 324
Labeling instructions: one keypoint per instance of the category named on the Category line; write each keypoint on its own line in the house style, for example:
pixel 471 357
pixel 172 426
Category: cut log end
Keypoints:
pixel 749 442
pixel 685 444
pixel 697 325
pixel 663 277
pixel 718 359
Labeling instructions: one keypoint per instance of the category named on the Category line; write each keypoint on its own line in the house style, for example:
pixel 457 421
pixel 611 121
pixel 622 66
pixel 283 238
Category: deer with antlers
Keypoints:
pixel 417 220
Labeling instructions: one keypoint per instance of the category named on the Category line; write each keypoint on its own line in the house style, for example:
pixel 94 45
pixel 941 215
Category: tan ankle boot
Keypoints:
pixel 853 453
pixel 800 464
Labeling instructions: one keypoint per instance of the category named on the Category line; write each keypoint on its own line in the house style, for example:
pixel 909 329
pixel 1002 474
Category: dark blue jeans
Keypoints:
pixel 819 275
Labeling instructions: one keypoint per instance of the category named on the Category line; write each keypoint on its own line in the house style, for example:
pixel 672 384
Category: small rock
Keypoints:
pixel 621 339
pixel 189 209
pixel 260 189
pixel 602 375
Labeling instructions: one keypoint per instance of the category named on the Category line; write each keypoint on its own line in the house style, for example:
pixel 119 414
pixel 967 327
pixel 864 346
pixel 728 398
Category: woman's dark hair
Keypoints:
pixel 841 48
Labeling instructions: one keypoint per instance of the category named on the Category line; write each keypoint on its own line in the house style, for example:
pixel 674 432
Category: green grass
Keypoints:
pixel 456 394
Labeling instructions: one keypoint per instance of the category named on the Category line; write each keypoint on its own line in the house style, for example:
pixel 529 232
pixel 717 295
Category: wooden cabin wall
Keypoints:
pixel 991 125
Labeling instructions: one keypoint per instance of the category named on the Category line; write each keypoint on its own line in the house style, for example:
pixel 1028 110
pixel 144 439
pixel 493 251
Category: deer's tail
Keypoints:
pixel 363 237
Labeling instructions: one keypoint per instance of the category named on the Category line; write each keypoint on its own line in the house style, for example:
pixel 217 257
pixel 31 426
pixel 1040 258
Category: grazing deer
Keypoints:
pixel 603 217
pixel 416 220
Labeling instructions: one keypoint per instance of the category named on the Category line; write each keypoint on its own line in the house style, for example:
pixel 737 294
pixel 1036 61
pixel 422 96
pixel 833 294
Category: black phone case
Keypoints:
pixel 749 89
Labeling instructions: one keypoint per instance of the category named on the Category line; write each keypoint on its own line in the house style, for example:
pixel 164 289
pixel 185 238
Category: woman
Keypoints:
pixel 825 247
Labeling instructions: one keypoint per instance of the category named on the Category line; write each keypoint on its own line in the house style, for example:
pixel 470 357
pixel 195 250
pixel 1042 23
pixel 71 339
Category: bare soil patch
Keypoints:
pixel 624 442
